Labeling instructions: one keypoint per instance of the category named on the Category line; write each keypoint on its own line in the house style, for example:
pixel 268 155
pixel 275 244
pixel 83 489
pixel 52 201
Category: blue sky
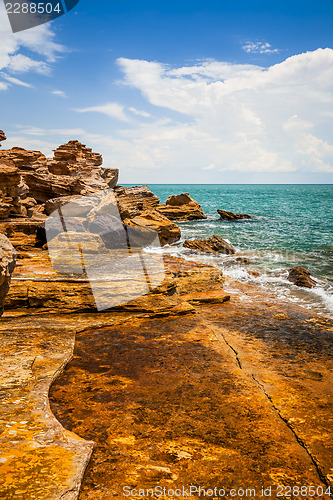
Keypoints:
pixel 178 91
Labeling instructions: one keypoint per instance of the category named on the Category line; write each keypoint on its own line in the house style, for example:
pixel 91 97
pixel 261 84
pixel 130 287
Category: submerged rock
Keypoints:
pixel 181 207
pixel 7 265
pixel 231 216
pixel 301 277
pixel 214 244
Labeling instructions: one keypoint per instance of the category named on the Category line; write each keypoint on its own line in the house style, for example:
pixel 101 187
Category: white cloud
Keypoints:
pixel 138 112
pixel 38 46
pixel 259 48
pixel 111 109
pixel 15 81
pixel 239 117
pixel 59 93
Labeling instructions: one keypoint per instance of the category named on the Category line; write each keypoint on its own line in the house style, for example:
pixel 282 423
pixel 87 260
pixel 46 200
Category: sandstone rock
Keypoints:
pixel 133 200
pixel 7 265
pixel 75 170
pixel 168 231
pixel 55 227
pixel 231 216
pixel 181 207
pixel 214 244
pixel 2 136
pixel 76 206
pixel 301 277
pixel 111 230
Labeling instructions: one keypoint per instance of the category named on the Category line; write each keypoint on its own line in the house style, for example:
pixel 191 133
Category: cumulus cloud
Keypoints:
pixel 237 117
pixel 33 50
pixel 111 109
pixel 259 48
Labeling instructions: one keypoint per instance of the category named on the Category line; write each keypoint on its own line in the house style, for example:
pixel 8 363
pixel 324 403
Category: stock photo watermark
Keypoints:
pixel 26 14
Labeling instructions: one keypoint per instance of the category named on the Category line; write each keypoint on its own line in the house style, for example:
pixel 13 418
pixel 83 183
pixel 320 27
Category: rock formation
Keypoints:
pixel 231 216
pixel 2 136
pixel 301 277
pixel 167 230
pixel 29 179
pixel 134 200
pixel 214 244
pixel 181 207
pixel 7 265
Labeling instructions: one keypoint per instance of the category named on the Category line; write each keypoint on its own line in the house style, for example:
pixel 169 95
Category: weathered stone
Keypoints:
pixel 79 206
pixel 301 277
pixel 167 230
pixel 214 244
pixel 134 200
pixel 181 207
pixel 7 265
pixel 231 216
pixel 111 230
pixel 55 227
pixel 2 136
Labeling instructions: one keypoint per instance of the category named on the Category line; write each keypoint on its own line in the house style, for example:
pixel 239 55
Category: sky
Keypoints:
pixel 227 91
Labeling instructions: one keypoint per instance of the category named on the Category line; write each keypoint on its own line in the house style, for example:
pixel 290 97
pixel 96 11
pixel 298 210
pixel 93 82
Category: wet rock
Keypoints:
pixel 231 216
pixel 301 277
pixel 7 265
pixel 134 200
pixel 181 207
pixel 214 244
pixel 167 230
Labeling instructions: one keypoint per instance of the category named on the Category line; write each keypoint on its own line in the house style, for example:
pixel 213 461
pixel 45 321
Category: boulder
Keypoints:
pixel 7 265
pixel 133 200
pixel 2 136
pixel 231 216
pixel 110 229
pixel 167 230
pixel 55 227
pixel 301 277
pixel 214 244
pixel 76 206
pixel 181 207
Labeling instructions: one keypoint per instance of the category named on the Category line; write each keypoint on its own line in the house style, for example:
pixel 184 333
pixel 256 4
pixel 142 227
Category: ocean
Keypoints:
pixel 291 225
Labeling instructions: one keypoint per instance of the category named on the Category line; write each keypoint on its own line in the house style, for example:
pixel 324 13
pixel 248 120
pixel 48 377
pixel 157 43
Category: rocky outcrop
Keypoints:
pixel 7 265
pixel 231 216
pixel 301 277
pixel 167 230
pixel 2 136
pixel 29 179
pixel 134 200
pixel 214 244
pixel 181 207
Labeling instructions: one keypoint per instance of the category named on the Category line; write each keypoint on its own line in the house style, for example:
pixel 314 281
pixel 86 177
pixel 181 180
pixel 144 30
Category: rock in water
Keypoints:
pixel 181 207
pixel 7 265
pixel 167 230
pixel 231 216
pixel 301 277
pixel 214 244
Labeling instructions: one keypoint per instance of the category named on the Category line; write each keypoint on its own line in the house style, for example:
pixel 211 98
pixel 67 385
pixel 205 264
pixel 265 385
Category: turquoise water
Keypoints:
pixel 291 225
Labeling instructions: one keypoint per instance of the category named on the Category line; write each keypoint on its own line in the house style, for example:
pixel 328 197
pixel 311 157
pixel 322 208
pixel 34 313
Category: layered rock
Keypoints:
pixel 167 230
pixel 231 216
pixel 134 200
pixel 301 277
pixel 2 136
pixel 214 244
pixel 7 265
pixel 31 179
pixel 181 207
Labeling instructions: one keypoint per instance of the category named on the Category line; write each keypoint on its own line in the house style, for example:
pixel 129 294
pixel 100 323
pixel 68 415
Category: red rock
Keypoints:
pixel 7 265
pixel 181 207
pixel 2 136
pixel 167 230
pixel 301 277
pixel 214 244
pixel 133 200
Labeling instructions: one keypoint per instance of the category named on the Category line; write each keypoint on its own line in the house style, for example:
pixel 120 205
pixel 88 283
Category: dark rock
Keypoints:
pixel 231 216
pixel 214 244
pixel 301 277
pixel 7 265
pixel 110 229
